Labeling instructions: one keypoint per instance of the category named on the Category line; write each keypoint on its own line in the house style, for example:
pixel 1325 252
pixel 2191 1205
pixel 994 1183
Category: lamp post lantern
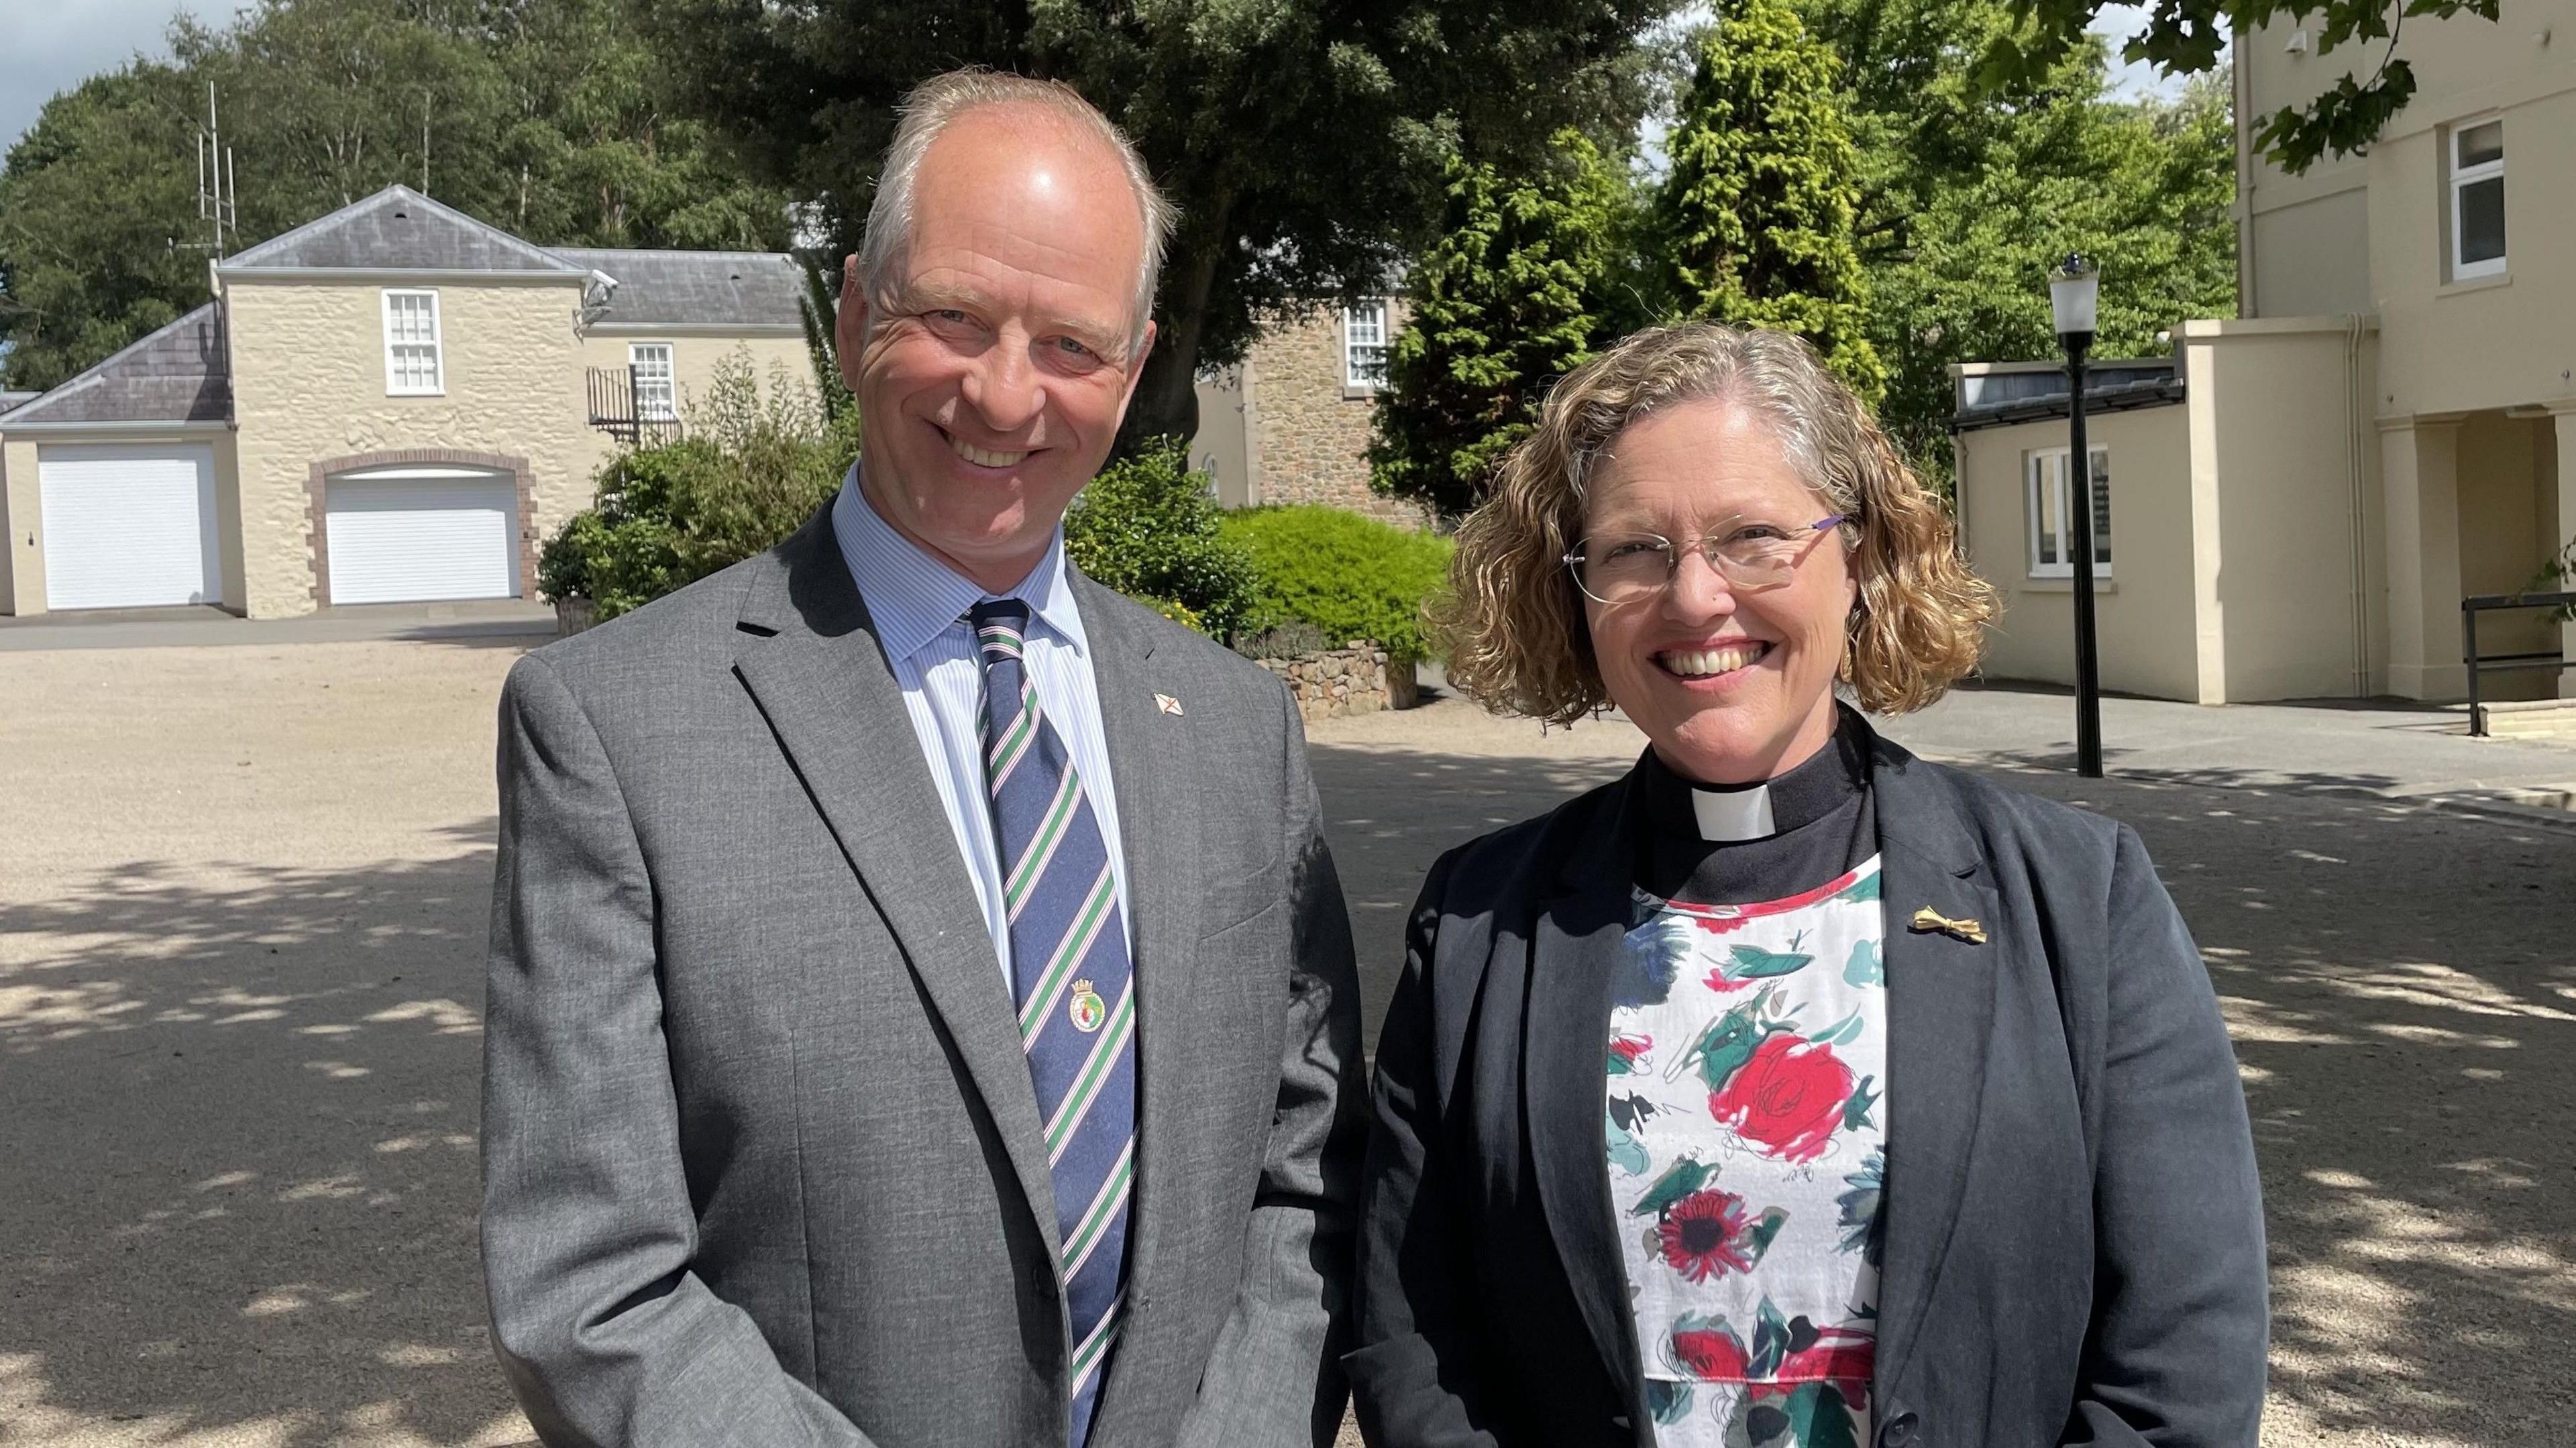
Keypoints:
pixel 2072 290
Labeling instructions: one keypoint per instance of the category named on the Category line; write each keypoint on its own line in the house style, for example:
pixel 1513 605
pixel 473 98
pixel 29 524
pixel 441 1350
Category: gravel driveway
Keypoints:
pixel 242 898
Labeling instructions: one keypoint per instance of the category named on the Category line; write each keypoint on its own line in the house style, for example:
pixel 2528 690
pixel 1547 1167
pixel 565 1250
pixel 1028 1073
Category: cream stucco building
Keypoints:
pixel 393 403
pixel 2301 500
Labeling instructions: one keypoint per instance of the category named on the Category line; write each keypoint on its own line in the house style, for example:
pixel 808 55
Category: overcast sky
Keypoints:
pixel 48 45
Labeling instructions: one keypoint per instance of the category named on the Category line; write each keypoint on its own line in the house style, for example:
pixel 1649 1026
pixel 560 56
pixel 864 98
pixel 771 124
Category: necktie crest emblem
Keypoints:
pixel 1085 1010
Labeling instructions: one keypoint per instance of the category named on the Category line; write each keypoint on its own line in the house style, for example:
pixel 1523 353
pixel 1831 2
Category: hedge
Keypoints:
pixel 1350 577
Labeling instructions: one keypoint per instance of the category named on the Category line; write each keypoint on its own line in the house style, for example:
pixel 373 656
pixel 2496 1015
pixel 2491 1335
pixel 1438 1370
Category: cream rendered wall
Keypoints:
pixel 693 368
pixel 2311 257
pixel 2285 481
pixel 2446 347
pixel 309 385
pixel 2144 614
pixel 22 556
pixel 2508 504
pixel 22 560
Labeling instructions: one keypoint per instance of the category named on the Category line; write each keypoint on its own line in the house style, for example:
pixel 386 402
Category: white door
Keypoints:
pixel 129 525
pixel 408 535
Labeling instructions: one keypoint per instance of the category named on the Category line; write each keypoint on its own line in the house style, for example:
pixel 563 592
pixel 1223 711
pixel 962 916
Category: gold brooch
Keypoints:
pixel 1929 919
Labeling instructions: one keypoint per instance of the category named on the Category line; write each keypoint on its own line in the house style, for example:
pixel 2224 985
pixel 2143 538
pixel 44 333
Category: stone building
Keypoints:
pixel 1290 424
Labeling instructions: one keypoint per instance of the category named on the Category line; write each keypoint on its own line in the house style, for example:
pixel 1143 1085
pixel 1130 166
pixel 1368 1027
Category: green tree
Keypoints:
pixel 543 117
pixel 1756 219
pixel 1305 141
pixel 2189 38
pixel 1968 196
pixel 1527 280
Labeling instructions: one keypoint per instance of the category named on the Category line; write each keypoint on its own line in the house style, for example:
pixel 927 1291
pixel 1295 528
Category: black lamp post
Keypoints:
pixel 2071 292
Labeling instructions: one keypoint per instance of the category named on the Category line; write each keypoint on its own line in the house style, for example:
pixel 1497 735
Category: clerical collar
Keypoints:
pixel 1731 813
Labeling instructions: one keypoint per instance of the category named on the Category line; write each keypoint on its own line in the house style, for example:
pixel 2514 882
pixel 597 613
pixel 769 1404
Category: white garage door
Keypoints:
pixel 405 535
pixel 129 526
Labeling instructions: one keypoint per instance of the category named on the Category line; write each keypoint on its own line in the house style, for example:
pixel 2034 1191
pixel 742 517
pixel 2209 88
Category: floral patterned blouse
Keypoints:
pixel 1747 1068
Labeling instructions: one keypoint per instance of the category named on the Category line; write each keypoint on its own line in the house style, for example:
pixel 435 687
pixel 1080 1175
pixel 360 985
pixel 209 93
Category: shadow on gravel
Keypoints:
pixel 241 1186
pixel 2401 985
pixel 239 1119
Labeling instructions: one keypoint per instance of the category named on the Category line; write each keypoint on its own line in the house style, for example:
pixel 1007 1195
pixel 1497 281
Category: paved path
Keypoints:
pixel 242 896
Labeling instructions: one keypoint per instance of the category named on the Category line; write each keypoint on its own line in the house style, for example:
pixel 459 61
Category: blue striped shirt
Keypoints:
pixel 919 607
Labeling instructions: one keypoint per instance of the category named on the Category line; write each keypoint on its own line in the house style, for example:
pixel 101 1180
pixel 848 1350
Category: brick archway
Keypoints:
pixel 317 485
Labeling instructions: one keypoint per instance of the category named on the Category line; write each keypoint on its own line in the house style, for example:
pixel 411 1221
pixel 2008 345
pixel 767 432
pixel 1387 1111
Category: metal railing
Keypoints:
pixel 2470 607
pixel 616 408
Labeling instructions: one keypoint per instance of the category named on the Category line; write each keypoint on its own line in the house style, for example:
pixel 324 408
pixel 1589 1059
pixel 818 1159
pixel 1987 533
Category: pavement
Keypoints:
pixel 204 626
pixel 243 893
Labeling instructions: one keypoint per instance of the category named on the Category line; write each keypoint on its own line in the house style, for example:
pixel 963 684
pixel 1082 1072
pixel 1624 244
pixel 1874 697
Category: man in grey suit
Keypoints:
pixel 922 1007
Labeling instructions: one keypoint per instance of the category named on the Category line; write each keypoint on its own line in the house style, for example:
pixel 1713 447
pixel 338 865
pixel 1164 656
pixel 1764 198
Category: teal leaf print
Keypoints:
pixel 1626 1152
pixel 1730 1041
pixel 1752 962
pixel 1856 1110
pixel 1757 1238
pixel 1813 1415
pixel 1860 1207
pixel 1773 1340
pixel 1862 889
pixel 1667 1402
pixel 1650 956
pixel 1864 968
pixel 1678 1181
pixel 1842 1032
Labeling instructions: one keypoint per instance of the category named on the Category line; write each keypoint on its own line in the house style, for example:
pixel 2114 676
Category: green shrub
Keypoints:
pixel 750 470
pixel 1149 528
pixel 1349 576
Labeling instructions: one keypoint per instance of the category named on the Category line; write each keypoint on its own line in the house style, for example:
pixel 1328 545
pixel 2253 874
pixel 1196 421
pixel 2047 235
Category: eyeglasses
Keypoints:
pixel 1618 568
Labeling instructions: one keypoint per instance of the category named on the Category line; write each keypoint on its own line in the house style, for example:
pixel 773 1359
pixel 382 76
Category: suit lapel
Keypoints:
pixel 1577 940
pixel 823 684
pixel 1151 768
pixel 1941 1010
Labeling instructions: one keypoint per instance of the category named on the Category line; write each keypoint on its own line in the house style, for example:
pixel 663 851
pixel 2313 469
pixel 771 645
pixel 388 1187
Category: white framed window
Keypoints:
pixel 2052 522
pixel 2476 158
pixel 1364 346
pixel 413 367
pixel 657 399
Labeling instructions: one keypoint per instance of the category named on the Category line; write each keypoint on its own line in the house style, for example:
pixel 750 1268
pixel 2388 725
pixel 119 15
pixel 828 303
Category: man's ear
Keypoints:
pixel 1136 368
pixel 850 322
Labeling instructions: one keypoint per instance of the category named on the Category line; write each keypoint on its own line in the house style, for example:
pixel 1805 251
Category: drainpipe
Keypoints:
pixel 2360 506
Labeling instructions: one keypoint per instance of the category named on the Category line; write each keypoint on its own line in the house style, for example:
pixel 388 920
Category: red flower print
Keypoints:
pixel 1718 982
pixel 1715 925
pixel 1629 1048
pixel 1704 1233
pixel 1787 1100
pixel 1840 1355
pixel 1710 1353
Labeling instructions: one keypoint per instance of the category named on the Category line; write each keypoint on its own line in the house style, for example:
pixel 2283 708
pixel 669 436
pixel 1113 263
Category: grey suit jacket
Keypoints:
pixel 2073 1229
pixel 762 1160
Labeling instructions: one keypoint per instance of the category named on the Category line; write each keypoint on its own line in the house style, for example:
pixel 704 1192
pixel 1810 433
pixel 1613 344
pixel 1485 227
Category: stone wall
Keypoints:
pixel 1360 679
pixel 1312 431
pixel 309 385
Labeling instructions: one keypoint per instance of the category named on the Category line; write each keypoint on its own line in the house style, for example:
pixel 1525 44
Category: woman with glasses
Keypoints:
pixel 1789 1090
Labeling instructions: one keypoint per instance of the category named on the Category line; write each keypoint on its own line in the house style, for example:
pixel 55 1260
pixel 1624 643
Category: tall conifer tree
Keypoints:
pixel 1528 278
pixel 1755 220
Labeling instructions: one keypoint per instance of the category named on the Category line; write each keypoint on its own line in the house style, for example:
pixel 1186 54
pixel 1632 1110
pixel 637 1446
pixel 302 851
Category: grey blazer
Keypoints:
pixel 2073 1247
pixel 762 1160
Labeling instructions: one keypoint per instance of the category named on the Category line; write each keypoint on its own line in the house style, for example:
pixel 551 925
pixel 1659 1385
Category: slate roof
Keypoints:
pixel 696 288
pixel 1999 399
pixel 398 229
pixel 12 399
pixel 177 374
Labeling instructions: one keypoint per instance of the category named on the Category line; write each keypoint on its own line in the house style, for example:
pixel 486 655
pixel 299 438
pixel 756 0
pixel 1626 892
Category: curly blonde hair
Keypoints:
pixel 1513 619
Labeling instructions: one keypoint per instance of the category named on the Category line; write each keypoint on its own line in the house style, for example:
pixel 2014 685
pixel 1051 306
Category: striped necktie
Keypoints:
pixel 1070 974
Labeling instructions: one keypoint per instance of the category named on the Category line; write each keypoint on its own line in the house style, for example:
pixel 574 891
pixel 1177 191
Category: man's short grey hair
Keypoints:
pixel 927 112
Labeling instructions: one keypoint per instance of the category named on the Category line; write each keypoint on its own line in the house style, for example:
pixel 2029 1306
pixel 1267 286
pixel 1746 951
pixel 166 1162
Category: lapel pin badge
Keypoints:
pixel 1928 919
pixel 1167 704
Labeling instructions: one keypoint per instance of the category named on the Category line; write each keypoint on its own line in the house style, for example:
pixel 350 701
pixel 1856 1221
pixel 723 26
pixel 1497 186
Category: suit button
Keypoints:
pixel 1900 1431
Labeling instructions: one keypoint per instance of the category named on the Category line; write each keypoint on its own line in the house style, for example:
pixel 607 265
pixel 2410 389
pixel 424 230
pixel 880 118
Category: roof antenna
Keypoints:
pixel 218 197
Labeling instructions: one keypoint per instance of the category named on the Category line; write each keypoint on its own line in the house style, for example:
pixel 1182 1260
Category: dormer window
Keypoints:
pixel 412 364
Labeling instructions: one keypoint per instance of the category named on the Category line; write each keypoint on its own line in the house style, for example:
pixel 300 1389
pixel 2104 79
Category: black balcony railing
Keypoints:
pixel 616 408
